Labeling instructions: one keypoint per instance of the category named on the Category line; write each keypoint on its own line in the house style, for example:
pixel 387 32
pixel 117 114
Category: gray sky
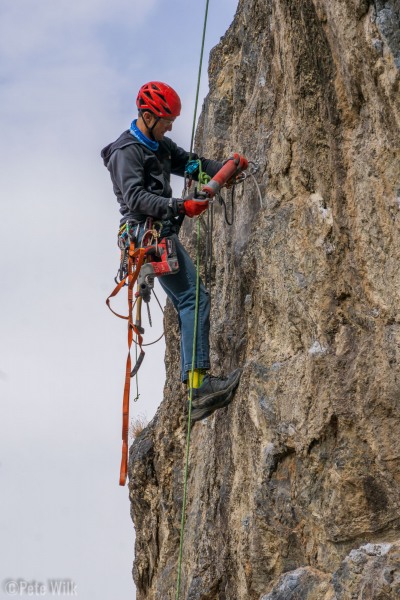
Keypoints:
pixel 69 75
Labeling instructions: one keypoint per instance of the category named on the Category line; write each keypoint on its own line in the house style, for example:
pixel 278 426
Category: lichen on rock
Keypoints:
pixel 294 488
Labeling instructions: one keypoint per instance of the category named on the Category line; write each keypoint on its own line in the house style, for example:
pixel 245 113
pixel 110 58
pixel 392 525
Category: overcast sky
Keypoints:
pixel 69 75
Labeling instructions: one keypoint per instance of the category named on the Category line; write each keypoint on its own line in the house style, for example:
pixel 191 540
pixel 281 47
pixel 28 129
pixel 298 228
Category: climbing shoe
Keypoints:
pixel 214 392
pixel 202 412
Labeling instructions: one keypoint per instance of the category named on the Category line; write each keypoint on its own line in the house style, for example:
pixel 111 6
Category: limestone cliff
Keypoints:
pixel 294 489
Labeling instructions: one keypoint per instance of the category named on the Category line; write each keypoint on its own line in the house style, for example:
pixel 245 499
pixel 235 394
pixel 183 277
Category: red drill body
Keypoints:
pixel 231 169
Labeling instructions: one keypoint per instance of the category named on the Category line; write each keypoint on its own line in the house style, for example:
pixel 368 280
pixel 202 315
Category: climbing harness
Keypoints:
pixel 139 265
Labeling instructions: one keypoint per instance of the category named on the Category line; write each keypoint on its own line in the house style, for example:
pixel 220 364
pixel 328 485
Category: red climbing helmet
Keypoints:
pixel 160 99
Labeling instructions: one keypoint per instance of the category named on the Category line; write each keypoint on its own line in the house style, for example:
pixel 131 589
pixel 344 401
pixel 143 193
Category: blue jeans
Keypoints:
pixel 181 289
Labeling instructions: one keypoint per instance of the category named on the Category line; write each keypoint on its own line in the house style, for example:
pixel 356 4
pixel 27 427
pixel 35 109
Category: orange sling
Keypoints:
pixel 135 262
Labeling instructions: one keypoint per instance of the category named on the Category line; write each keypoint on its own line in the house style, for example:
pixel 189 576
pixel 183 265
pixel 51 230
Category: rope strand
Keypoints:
pixel 179 576
pixel 178 585
pixel 198 79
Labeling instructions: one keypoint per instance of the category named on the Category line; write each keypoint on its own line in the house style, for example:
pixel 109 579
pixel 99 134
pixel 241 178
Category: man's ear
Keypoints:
pixel 147 117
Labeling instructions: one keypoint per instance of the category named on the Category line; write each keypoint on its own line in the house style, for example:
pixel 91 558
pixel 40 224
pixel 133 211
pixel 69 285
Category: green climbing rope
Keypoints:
pixel 198 79
pixel 186 471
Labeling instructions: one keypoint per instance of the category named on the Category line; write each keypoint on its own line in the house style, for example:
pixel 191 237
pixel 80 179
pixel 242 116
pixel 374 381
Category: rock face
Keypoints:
pixel 294 489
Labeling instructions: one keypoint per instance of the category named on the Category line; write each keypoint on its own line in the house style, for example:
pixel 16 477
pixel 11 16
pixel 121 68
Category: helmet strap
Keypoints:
pixel 149 129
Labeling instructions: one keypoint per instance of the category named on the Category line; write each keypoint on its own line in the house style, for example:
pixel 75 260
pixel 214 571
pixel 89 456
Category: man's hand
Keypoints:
pixel 193 208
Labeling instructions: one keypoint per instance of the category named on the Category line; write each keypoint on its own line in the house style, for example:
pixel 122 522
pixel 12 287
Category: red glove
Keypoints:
pixel 193 208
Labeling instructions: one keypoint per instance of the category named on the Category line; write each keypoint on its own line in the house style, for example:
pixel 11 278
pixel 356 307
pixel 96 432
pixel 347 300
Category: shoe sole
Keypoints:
pixel 198 414
pixel 202 403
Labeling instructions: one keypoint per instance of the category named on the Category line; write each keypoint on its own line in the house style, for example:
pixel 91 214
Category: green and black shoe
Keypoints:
pixel 214 393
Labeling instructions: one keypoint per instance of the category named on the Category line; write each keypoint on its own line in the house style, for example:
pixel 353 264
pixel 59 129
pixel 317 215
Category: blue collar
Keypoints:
pixel 152 145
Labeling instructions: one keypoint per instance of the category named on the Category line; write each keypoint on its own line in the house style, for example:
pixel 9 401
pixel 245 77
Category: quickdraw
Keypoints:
pixel 139 265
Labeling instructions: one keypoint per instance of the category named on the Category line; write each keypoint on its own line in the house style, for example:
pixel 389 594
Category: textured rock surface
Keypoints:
pixel 372 571
pixel 302 469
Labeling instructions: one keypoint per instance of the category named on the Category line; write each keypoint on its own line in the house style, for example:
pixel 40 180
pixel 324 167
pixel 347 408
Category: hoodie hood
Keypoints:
pixel 125 139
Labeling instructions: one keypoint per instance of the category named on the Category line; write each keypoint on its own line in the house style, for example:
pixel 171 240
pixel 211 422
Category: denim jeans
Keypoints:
pixel 181 289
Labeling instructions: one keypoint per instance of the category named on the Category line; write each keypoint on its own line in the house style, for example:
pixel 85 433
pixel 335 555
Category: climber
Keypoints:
pixel 140 163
